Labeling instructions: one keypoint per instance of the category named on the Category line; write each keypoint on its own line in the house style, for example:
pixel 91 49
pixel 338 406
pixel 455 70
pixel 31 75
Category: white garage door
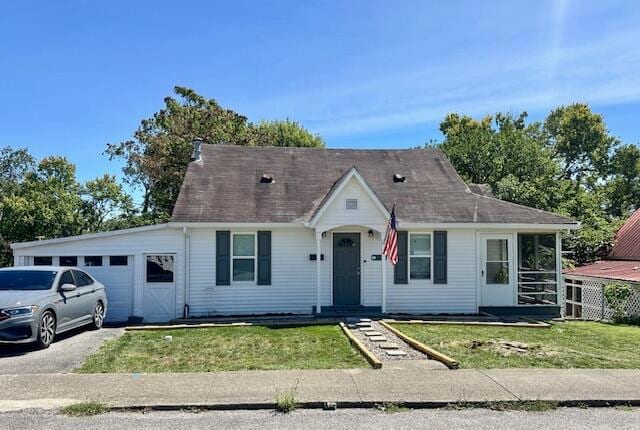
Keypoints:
pixel 118 281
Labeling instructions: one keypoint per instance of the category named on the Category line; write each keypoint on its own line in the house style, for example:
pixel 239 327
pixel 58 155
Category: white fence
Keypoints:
pixel 585 299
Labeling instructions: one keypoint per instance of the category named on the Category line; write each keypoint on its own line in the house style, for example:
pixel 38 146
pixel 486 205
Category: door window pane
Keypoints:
pixel 243 245
pixel 160 268
pixel 497 250
pixel 497 273
pixel 243 269
pixel 497 261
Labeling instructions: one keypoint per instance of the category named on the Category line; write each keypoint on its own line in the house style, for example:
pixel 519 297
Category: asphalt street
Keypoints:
pixel 477 419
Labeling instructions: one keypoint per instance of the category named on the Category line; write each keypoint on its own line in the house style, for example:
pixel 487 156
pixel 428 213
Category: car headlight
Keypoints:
pixel 21 311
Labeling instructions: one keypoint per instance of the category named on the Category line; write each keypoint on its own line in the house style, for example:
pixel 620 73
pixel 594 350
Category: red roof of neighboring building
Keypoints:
pixel 610 269
pixel 627 246
pixel 623 262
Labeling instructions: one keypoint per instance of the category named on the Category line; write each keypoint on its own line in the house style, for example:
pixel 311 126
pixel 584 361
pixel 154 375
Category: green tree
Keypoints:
pixel 105 200
pixel 157 157
pixel 14 164
pixel 623 188
pixel 579 139
pixel 47 203
pixel 285 133
pixel 504 153
pixel 567 164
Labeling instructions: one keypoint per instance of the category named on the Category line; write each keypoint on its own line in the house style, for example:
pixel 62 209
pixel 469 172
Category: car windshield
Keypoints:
pixel 26 280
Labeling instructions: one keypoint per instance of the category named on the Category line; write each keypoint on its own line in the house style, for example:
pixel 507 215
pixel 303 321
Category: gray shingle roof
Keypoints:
pixel 225 186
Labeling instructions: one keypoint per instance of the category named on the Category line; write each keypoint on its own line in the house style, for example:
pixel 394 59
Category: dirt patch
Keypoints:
pixel 503 347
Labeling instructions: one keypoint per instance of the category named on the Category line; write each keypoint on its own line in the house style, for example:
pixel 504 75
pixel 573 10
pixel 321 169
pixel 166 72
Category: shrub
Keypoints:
pixel 617 296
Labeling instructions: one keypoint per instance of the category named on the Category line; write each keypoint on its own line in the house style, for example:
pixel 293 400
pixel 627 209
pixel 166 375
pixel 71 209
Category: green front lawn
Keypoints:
pixel 573 344
pixel 226 348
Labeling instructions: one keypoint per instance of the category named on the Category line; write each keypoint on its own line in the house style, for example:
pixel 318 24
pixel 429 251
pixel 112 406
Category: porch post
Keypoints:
pixel 384 284
pixel 318 272
pixel 560 280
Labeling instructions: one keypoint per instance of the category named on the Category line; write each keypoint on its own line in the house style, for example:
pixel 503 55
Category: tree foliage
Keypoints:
pixel 568 163
pixel 157 157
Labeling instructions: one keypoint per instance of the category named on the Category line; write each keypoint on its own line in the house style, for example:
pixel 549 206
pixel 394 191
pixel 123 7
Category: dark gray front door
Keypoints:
pixel 346 269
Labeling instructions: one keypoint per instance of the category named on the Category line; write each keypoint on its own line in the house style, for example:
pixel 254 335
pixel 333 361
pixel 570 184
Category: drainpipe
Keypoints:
pixel 187 269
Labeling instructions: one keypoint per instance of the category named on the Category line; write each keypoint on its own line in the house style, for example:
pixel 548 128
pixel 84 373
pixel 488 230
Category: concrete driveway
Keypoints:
pixel 67 353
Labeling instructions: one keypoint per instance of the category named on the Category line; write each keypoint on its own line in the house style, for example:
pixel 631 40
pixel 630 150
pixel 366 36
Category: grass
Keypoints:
pixel 226 348
pixel 84 409
pixel 286 402
pixel 575 344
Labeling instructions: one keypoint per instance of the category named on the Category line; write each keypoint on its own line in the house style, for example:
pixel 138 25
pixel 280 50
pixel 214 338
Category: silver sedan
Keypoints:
pixel 39 302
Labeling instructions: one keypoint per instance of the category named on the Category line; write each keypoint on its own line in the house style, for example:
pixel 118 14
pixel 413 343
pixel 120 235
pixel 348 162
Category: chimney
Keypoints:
pixel 197 150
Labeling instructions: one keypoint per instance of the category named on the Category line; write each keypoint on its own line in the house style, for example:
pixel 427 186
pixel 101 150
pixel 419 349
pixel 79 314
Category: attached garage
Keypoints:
pixel 140 268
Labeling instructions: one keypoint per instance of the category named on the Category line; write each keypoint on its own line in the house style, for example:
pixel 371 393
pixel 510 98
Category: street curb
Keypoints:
pixel 593 403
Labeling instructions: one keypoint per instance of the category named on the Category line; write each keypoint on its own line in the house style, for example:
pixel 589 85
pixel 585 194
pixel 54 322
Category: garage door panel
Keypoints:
pixel 118 282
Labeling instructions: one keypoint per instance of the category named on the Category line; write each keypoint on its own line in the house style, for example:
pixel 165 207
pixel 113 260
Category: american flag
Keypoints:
pixel 391 239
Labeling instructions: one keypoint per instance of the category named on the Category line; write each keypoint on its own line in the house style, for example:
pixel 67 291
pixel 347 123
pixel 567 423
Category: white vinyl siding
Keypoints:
pixel 458 295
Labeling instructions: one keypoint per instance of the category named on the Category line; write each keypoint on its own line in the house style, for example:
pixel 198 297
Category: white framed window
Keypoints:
pixel 243 255
pixel 420 261
pixel 351 204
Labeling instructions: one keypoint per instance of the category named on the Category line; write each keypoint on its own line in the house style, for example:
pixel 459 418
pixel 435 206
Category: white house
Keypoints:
pixel 294 230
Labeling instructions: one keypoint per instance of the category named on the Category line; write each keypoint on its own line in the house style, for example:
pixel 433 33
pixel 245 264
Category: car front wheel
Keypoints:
pixel 46 330
pixel 98 316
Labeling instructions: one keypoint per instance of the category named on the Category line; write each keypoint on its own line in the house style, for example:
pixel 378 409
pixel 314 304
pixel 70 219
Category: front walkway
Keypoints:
pixel 405 382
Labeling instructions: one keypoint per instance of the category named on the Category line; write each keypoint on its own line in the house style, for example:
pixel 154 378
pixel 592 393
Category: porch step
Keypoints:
pixel 395 352
pixel 378 339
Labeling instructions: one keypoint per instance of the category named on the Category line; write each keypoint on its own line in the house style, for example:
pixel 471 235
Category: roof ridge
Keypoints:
pixel 313 148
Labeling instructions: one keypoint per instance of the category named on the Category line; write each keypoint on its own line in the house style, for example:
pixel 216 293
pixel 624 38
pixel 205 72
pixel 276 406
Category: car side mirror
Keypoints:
pixel 67 287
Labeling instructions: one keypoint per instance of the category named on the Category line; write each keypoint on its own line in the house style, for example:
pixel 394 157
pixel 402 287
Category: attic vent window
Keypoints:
pixel 351 204
pixel 266 179
pixel 399 178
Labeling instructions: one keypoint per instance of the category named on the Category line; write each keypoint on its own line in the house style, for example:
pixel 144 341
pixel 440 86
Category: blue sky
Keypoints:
pixel 75 75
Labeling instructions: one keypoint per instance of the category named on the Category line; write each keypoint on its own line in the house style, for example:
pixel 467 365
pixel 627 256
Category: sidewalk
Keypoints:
pixel 408 382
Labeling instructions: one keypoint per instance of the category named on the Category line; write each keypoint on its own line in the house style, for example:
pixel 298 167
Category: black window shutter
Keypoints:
pixel 439 257
pixel 223 258
pixel 264 258
pixel 400 275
